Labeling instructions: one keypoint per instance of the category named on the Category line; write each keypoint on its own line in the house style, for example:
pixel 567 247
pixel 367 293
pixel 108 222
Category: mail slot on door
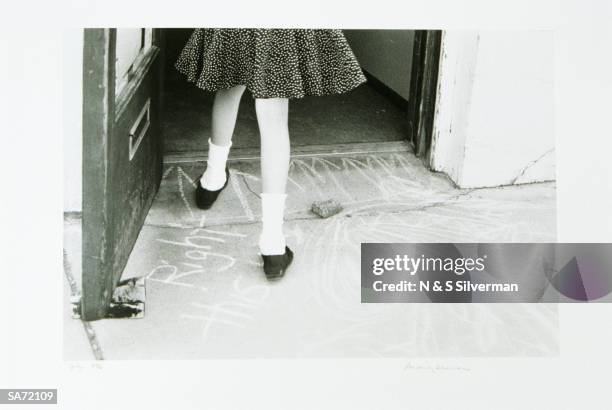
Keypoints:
pixel 140 127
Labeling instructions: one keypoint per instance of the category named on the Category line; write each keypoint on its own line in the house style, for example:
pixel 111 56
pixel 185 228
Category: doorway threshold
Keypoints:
pixel 326 150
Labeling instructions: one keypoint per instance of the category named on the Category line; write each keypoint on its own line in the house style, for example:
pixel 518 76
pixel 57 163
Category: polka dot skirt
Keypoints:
pixel 271 63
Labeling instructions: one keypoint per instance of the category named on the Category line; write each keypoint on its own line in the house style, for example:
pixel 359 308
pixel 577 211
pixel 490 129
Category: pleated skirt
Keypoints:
pixel 271 63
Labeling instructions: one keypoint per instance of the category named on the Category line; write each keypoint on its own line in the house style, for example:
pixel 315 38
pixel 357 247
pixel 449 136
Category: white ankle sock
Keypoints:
pixel 272 239
pixel 214 176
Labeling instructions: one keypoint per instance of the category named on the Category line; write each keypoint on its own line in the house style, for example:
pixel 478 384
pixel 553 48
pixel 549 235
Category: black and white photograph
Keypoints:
pixel 230 175
pixel 329 204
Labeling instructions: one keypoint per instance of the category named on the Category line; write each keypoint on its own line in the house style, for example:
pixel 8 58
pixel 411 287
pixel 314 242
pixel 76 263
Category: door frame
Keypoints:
pixel 421 110
pixel 423 91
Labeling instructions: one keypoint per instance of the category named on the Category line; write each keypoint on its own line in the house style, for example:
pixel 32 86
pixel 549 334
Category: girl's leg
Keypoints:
pixel 272 118
pixel 224 113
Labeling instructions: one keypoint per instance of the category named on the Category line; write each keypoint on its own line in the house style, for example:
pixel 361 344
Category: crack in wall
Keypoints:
pixel 529 165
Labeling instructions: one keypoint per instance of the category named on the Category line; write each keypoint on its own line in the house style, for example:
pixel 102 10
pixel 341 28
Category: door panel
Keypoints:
pixel 122 161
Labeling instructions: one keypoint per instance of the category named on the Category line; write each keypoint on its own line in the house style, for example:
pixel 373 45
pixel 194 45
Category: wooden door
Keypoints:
pixel 122 156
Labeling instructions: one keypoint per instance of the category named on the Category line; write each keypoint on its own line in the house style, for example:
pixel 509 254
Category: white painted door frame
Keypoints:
pixel 458 54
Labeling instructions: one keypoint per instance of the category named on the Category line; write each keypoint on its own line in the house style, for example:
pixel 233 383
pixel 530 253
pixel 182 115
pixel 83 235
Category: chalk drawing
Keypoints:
pixel 169 275
pixel 180 175
pixel 310 173
pixel 243 200
pixel 185 243
pixel 184 175
pixel 295 232
pixel 236 312
pixel 167 172
pixel 246 175
pixel 199 248
pixel 389 199
pixel 234 234
pixel 192 265
pixel 328 165
pixel 361 169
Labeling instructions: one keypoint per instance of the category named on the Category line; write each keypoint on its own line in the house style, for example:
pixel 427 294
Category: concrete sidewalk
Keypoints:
pixel 207 295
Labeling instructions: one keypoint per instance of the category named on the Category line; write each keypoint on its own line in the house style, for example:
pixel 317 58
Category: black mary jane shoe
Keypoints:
pixel 276 265
pixel 205 198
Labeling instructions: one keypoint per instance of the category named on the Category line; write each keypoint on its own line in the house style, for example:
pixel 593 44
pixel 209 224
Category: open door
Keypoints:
pixel 122 153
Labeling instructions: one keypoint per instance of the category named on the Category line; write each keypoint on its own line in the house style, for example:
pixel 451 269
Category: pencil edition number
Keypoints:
pixel 33 396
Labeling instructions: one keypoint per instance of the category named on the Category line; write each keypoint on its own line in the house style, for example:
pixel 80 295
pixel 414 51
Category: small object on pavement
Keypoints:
pixel 325 209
